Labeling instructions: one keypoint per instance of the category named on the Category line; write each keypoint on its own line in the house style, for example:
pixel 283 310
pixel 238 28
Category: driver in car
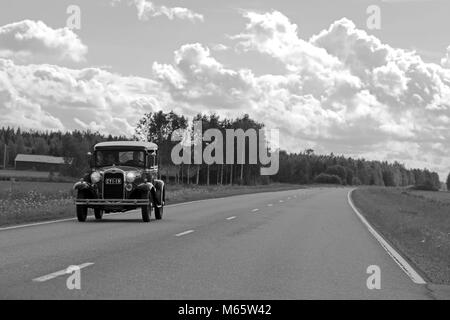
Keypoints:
pixel 109 159
pixel 137 160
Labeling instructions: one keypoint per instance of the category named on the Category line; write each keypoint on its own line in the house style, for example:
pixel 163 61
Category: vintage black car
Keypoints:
pixel 123 176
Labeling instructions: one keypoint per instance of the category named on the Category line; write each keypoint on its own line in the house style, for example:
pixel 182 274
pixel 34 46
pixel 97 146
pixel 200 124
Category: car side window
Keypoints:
pixel 151 159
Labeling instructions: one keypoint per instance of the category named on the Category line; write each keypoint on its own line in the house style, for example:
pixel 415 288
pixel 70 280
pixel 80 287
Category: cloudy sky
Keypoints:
pixel 313 69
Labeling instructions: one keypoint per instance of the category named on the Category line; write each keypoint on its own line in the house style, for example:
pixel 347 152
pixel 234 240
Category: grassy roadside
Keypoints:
pixel 25 201
pixel 417 223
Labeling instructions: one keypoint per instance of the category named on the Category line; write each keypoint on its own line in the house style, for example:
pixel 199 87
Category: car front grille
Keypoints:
pixel 113 185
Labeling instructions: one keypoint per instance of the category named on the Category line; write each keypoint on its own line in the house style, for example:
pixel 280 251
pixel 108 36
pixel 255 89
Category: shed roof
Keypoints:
pixel 39 158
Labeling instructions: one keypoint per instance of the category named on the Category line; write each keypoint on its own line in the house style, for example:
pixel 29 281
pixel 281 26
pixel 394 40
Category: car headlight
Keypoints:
pixel 131 176
pixel 95 177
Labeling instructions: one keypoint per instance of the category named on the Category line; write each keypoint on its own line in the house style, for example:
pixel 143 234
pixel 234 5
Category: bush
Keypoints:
pixel 356 181
pixel 328 178
pixel 427 185
pixel 338 171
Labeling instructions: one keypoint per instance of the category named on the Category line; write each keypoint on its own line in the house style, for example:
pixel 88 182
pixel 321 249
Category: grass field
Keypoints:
pixel 30 175
pixel 417 223
pixel 25 201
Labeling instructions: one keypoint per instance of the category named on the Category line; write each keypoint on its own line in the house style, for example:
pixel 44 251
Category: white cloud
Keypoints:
pixel 30 41
pixel 220 47
pixel 446 60
pixel 51 97
pixel 342 91
pixel 147 9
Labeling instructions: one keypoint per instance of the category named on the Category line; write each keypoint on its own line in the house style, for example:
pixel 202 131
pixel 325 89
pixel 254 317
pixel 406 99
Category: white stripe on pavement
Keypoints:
pixel 254 210
pixel 184 233
pixel 404 265
pixel 231 218
pixel 131 211
pixel 61 272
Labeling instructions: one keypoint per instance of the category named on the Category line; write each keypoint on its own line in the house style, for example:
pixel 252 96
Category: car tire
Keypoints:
pixel 159 209
pixel 98 213
pixel 81 210
pixel 146 211
pixel 159 212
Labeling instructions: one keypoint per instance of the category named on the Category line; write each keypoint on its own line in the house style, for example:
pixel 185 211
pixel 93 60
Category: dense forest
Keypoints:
pixel 305 167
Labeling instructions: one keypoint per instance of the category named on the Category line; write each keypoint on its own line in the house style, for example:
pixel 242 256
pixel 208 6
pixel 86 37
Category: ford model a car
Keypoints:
pixel 123 177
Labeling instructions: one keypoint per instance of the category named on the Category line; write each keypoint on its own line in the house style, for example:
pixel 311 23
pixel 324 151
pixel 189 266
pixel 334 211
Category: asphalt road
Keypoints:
pixel 297 244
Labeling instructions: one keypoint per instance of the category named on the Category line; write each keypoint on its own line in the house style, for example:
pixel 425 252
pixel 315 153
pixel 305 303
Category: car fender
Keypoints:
pixel 83 186
pixel 147 187
pixel 159 185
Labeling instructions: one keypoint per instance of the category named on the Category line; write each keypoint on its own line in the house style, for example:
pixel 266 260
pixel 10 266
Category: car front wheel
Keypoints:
pixel 146 211
pixel 159 209
pixel 159 212
pixel 81 210
pixel 98 213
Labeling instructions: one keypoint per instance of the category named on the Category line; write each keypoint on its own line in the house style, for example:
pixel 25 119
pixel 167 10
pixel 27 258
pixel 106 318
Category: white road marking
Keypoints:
pixel 404 265
pixel 281 201
pixel 269 205
pixel 60 273
pixel 231 218
pixel 254 210
pixel 289 198
pixel 184 233
pixel 49 222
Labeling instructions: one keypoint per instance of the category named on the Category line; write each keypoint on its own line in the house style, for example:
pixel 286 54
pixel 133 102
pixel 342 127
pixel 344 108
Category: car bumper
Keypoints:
pixel 112 202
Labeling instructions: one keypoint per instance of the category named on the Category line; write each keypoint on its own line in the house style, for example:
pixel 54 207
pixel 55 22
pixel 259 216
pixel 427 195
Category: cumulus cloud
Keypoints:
pixel 30 41
pixel 341 91
pixel 147 9
pixel 52 97
pixel 198 78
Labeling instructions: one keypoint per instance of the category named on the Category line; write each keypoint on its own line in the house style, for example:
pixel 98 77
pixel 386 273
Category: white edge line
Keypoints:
pixel 47 222
pixel 110 214
pixel 231 218
pixel 60 272
pixel 403 264
pixel 184 233
pixel 254 210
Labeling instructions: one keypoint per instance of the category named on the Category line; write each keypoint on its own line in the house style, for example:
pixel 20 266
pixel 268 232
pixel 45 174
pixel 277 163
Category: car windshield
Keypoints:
pixel 119 158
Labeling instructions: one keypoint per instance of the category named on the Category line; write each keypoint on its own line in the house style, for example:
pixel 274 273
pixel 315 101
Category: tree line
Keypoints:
pixel 305 167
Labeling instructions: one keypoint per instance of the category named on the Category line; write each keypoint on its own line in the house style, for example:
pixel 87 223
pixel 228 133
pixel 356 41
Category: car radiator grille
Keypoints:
pixel 113 185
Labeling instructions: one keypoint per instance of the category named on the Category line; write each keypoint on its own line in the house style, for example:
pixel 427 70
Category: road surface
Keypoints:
pixel 296 244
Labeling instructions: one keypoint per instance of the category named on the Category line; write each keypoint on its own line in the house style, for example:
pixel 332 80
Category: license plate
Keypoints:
pixel 113 181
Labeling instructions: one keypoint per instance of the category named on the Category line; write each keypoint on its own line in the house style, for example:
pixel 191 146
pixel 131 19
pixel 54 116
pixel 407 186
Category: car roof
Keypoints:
pixel 126 144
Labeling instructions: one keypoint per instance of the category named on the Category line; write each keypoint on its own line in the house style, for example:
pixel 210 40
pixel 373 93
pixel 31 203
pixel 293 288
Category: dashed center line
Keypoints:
pixel 281 201
pixel 184 233
pixel 269 205
pixel 254 210
pixel 231 218
pixel 62 272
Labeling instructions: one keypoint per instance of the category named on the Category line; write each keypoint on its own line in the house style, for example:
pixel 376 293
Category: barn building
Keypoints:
pixel 38 162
